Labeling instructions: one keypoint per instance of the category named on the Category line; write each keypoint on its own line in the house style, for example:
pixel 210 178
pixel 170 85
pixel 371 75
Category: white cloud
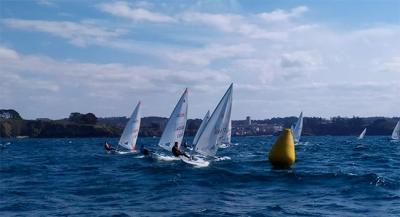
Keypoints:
pixel 6 53
pixel 123 9
pixel 46 2
pixel 29 76
pixel 300 60
pixel 277 61
pixel 205 55
pixel 80 34
pixel 392 65
pixel 282 15
pixel 224 22
pixel 232 23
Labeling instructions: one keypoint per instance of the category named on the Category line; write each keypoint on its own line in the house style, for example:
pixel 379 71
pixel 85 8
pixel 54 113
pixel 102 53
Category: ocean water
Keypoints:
pixel 332 176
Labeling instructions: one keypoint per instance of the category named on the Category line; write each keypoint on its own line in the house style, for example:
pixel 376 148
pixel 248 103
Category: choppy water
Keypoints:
pixel 333 176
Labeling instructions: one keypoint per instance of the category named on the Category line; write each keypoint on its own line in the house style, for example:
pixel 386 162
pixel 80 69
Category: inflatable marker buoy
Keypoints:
pixel 282 154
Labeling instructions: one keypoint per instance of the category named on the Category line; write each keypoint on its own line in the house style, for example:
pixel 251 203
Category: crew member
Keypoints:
pixel 177 152
pixel 144 151
pixel 108 147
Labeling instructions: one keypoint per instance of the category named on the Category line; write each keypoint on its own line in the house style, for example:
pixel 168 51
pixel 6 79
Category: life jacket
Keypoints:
pixel 144 151
pixel 175 151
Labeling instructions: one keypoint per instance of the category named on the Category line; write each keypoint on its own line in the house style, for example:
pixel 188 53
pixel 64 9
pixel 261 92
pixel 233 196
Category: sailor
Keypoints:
pixel 144 151
pixel 108 147
pixel 177 152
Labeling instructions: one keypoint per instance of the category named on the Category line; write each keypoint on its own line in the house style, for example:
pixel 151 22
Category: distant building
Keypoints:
pixel 277 128
pixel 248 120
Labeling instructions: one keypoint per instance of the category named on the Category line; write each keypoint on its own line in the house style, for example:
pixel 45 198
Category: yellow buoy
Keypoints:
pixel 282 154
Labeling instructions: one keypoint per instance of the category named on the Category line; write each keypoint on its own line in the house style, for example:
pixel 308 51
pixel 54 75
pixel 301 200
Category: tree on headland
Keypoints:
pixel 88 125
pixel 79 118
pixel 9 114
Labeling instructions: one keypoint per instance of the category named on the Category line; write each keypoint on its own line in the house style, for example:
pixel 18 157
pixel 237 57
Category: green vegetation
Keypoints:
pixel 9 114
pixel 79 118
pixel 88 125
pixel 77 125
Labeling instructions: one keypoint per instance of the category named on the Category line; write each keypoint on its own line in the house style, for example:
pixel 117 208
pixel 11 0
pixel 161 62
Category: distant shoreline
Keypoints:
pixel 78 125
pixel 157 137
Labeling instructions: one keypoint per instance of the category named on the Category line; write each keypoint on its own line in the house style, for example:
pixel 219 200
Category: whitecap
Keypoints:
pixel 222 158
pixel 166 158
pixel 302 143
pixel 125 152
pixel 139 156
pixel 223 145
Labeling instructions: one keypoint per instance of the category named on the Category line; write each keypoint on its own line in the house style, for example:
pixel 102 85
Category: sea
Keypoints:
pixel 332 176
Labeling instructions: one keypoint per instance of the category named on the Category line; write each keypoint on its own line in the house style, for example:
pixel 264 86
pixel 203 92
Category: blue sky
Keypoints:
pixel 325 58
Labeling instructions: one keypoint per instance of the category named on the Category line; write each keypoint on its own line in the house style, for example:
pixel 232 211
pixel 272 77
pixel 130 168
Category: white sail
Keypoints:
pixel 201 128
pixel 227 127
pixel 362 133
pixel 298 128
pixel 131 130
pixel 214 131
pixel 396 131
pixel 227 136
pixel 175 128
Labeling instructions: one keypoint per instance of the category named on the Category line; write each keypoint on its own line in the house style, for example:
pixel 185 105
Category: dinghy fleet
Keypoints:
pixel 395 134
pixel 214 132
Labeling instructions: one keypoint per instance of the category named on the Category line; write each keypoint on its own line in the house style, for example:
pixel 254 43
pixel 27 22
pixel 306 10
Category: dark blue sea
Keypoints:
pixel 332 176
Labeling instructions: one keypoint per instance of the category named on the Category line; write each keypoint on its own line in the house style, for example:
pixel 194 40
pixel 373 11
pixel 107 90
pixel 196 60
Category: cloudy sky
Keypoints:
pixel 323 58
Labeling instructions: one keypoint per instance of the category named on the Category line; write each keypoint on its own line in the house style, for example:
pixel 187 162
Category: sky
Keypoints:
pixel 325 58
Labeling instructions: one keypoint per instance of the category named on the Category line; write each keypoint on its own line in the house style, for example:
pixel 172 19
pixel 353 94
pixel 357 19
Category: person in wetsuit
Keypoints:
pixel 108 147
pixel 177 152
pixel 144 151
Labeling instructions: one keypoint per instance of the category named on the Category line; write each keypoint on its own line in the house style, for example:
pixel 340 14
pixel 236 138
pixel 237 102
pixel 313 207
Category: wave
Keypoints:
pixel 124 152
pixel 4 145
pixel 162 157
pixel 223 158
pixel 330 177
pixel 302 143
pixel 321 178
pixel 224 146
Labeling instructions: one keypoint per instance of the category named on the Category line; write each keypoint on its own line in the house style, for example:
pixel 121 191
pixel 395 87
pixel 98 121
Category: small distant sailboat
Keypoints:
pixel 396 131
pixel 298 128
pixel 362 134
pixel 175 128
pixel 130 134
pixel 217 126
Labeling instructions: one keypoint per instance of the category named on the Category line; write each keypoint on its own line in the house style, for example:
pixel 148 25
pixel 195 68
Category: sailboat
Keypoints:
pixel 396 131
pixel 175 128
pixel 201 128
pixel 131 131
pixel 362 133
pixel 296 130
pixel 214 131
